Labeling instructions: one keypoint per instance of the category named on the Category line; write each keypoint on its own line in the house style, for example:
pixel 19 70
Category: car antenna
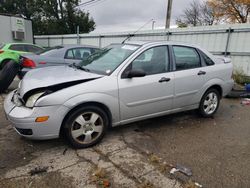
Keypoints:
pixel 130 35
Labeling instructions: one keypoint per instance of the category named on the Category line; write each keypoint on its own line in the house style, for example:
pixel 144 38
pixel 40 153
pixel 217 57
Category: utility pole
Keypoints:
pixel 153 24
pixel 77 33
pixel 168 16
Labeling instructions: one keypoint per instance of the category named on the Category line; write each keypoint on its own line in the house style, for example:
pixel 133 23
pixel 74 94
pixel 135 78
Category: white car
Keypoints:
pixel 120 84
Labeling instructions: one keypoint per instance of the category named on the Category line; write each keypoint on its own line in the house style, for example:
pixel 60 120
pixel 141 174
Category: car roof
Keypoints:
pixel 20 43
pixel 159 42
pixel 66 46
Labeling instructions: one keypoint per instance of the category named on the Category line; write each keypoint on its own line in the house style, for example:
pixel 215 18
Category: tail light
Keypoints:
pixel 28 63
pixel 1 51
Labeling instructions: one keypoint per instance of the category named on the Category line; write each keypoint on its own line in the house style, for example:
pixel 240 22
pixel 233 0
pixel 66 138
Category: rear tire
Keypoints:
pixel 86 126
pixel 209 103
pixel 7 74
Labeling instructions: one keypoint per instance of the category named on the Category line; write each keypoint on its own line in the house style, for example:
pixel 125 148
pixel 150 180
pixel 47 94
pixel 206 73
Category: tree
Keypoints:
pixel 196 14
pixel 232 11
pixel 51 16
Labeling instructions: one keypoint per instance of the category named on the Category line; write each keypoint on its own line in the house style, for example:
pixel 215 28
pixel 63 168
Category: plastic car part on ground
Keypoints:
pixel 245 101
pixel 182 169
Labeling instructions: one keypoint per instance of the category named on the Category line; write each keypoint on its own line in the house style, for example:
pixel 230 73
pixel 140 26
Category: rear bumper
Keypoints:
pixel 227 87
pixel 23 119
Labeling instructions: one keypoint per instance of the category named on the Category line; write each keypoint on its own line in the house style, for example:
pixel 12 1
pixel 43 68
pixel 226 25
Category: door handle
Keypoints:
pixel 163 79
pixel 201 73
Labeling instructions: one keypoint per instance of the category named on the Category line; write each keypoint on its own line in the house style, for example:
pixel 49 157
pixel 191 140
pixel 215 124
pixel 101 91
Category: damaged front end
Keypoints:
pixel 30 97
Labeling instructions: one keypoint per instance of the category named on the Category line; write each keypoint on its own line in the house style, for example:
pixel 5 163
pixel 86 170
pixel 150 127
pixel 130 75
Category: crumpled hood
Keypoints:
pixel 50 76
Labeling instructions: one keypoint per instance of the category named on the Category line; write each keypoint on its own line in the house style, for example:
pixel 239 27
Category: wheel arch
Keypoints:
pixel 217 87
pixel 93 103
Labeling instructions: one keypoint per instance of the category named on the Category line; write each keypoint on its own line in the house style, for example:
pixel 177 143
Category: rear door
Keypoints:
pixel 189 76
pixel 152 93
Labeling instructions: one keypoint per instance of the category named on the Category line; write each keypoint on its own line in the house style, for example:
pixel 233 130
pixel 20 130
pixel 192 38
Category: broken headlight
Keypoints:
pixel 32 99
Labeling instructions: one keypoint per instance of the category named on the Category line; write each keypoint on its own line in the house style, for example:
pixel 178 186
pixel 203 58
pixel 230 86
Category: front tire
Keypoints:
pixel 209 103
pixel 86 126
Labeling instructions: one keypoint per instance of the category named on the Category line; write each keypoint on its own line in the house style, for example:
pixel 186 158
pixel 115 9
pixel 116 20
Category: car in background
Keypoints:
pixel 9 60
pixel 56 56
pixel 120 84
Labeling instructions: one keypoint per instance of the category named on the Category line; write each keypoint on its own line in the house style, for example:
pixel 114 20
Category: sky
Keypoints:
pixel 129 15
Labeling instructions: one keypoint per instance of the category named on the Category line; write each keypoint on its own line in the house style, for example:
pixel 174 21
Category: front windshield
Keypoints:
pixel 108 59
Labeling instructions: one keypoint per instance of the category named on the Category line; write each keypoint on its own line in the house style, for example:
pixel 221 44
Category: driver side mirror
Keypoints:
pixel 136 73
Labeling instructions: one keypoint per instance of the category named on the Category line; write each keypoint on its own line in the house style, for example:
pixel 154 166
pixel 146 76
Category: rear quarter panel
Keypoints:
pixel 218 74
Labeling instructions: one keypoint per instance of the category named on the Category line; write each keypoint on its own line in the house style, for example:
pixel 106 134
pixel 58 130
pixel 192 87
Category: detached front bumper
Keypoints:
pixel 23 119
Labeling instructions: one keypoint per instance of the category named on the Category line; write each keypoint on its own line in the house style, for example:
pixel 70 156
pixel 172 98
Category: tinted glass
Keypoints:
pixel 79 53
pixel 207 60
pixel 1 46
pixel 186 58
pixel 105 61
pixel 153 61
pixel 17 47
pixel 33 49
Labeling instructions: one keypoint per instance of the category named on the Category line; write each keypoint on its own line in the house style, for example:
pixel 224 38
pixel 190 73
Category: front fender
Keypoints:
pixel 111 102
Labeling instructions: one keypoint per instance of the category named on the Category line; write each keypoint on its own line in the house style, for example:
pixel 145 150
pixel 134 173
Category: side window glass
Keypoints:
pixel 207 60
pixel 78 53
pixel 186 58
pixel 152 61
pixel 69 54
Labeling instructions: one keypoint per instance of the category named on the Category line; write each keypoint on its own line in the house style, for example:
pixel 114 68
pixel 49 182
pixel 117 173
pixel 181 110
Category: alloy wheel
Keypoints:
pixel 87 127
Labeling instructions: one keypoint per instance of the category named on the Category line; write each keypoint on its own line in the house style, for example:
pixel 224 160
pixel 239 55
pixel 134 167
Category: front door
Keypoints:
pixel 151 94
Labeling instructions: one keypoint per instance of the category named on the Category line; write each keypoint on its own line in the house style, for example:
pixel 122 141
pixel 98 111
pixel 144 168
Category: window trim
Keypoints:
pixel 65 55
pixel 170 67
pixel 174 58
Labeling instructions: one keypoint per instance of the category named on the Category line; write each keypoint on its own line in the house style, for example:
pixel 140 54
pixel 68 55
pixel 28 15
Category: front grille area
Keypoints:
pixel 27 132
pixel 17 100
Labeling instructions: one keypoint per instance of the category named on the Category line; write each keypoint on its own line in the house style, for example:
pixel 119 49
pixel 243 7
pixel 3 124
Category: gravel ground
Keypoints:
pixel 137 155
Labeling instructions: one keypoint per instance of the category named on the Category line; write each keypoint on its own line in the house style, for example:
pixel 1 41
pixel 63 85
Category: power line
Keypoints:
pixel 88 3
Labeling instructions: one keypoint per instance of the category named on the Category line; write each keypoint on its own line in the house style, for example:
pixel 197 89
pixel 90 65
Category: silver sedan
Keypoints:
pixel 55 56
pixel 120 84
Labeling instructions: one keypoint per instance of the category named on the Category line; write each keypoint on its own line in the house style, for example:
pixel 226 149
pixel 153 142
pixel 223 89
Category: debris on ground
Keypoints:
pixel 100 178
pixel 184 170
pixel 191 184
pixel 154 158
pixel 38 170
pixel 146 184
pixel 64 151
pixel 245 101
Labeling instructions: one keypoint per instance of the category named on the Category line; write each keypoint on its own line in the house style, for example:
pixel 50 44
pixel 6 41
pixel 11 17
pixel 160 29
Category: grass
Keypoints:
pixel 240 77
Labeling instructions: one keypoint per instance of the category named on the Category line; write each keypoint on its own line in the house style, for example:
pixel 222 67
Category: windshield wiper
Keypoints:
pixel 79 67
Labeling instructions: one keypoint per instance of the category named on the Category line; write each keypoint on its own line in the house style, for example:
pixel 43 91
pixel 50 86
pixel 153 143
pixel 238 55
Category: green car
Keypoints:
pixel 9 60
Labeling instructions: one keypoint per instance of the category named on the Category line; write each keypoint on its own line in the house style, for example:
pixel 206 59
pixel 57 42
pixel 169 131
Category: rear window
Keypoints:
pixel 51 51
pixel 34 49
pixel 17 47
